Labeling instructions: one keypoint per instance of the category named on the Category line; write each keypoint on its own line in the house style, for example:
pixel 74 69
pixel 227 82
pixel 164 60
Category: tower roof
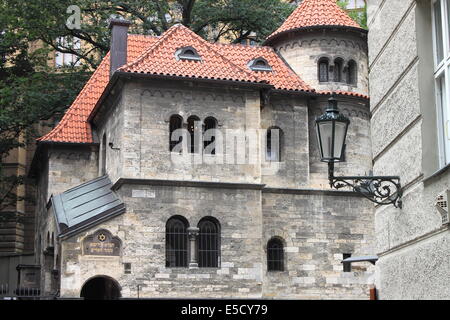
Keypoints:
pixel 315 13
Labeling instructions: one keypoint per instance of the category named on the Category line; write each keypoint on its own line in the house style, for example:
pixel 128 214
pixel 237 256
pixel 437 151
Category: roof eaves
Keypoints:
pixel 277 35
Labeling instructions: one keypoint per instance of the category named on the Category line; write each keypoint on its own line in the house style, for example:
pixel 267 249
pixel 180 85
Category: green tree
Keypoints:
pixel 31 91
pixel 234 20
pixel 359 16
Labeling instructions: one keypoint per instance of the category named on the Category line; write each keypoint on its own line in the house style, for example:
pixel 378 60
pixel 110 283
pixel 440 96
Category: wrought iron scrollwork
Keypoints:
pixel 382 190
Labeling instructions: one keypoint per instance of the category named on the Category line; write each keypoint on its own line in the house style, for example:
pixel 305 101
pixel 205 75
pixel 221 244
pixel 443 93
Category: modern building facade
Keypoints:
pixel 409 86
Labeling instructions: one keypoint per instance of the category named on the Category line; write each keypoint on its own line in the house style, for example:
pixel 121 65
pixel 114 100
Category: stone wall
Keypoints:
pixel 317 228
pixel 63 169
pixel 412 242
pixel 303 50
pixel 144 141
pixel 142 231
pixel 358 160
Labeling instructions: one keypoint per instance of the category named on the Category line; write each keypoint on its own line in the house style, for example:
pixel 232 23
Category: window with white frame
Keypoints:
pixel 441 39
pixel 67 59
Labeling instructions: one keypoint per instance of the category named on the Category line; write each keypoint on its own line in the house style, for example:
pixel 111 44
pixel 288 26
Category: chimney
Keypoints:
pixel 119 39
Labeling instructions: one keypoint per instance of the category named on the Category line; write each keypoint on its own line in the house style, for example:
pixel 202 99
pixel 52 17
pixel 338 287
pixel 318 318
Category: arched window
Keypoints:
pixel 187 53
pixel 260 64
pixel 176 242
pixel 193 128
pixel 103 157
pixel 209 243
pixel 323 70
pixel 338 63
pixel 176 122
pixel 210 124
pixel 274 144
pixel 275 255
pixel 352 72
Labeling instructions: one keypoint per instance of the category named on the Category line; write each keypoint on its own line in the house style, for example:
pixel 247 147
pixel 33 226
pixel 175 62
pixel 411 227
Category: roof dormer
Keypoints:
pixel 260 64
pixel 187 53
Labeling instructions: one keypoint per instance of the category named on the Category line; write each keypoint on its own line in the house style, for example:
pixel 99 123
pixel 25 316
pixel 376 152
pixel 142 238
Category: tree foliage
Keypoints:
pixel 31 31
pixel 359 16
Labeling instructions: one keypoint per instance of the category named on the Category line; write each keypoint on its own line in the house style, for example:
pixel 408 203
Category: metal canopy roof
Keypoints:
pixel 371 259
pixel 85 206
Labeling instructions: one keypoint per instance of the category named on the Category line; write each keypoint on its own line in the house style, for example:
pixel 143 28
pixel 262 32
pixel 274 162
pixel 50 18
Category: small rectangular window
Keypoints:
pixel 347 265
pixel 127 268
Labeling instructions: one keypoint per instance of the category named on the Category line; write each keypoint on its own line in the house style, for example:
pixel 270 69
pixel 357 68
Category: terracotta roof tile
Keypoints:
pixel 155 55
pixel 160 59
pixel 316 13
pixel 281 77
pixel 73 127
pixel 344 93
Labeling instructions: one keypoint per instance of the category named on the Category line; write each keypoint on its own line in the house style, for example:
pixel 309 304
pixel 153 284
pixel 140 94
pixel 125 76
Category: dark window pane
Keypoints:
pixel 275 255
pixel 208 244
pixel 176 243
pixel 175 123
pixel 323 71
pixel 210 124
pixel 193 128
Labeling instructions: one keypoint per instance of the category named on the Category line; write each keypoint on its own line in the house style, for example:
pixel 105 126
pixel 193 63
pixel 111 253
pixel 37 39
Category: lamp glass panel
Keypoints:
pixel 339 138
pixel 326 133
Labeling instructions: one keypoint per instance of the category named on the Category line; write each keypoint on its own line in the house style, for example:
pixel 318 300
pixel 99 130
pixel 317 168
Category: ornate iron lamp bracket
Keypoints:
pixel 382 190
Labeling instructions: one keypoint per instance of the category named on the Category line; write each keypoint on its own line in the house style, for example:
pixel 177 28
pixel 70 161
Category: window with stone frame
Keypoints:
pixel 352 72
pixel 275 255
pixel 441 40
pixel 323 71
pixel 274 144
pixel 209 141
pixel 208 243
pixel 176 123
pixel 176 243
pixel 194 128
pixel 337 72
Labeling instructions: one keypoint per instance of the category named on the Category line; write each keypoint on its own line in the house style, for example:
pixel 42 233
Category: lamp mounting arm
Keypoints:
pixel 382 190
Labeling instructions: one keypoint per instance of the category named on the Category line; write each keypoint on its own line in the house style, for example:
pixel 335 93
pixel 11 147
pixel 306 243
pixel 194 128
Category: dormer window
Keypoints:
pixel 260 64
pixel 188 53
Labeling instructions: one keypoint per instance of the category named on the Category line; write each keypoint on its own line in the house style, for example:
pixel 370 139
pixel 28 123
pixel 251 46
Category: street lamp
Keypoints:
pixel 331 129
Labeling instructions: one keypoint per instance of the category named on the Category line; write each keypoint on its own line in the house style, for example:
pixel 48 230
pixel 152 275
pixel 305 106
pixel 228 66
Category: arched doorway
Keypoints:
pixel 101 288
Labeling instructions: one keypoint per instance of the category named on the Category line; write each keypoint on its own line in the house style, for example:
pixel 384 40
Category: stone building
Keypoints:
pixel 410 88
pixel 121 212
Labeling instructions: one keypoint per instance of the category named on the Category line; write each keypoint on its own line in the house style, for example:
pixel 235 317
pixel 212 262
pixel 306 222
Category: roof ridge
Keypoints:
pixel 315 13
pixel 69 113
pixel 150 49
pixel 168 33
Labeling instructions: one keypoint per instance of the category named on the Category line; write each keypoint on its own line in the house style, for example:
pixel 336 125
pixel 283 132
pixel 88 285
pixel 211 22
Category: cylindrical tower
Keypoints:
pixel 324 46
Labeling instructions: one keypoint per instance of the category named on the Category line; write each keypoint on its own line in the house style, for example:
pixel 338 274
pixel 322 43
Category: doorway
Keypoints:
pixel 101 288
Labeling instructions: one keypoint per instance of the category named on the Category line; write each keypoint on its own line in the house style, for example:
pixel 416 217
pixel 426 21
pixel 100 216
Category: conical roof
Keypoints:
pixel 314 13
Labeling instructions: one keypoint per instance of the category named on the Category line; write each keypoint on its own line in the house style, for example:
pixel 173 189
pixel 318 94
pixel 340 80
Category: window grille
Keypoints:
pixel 323 70
pixel 176 243
pixel 275 255
pixel 208 244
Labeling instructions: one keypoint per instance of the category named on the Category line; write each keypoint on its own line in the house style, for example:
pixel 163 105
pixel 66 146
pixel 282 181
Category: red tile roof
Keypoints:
pixel 316 13
pixel 74 127
pixel 344 93
pixel 156 56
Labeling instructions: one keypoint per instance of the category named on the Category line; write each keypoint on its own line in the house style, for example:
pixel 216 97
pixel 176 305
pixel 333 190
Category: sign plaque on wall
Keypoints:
pixel 102 243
